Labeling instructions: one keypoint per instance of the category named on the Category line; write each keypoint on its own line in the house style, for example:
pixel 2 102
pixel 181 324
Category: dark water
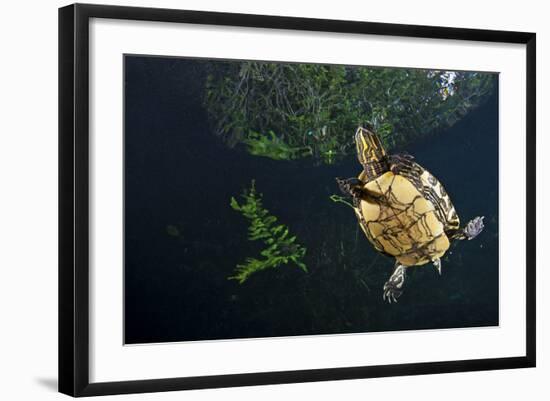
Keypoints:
pixel 179 174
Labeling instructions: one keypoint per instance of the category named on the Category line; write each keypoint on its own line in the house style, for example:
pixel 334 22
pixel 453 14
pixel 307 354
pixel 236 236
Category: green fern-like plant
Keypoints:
pixel 280 247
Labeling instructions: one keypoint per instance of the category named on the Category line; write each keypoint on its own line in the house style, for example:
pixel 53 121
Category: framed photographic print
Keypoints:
pixel 249 199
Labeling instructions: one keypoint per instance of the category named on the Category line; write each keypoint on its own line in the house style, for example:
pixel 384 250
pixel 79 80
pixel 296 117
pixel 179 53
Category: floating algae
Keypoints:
pixel 280 246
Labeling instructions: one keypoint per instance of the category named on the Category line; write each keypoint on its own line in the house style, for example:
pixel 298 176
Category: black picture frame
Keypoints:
pixel 74 198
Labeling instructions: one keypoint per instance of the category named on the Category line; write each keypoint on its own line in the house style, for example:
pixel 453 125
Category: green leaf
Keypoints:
pixel 234 204
pixel 280 248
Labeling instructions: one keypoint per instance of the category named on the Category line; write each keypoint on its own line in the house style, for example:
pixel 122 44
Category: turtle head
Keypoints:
pixel 369 146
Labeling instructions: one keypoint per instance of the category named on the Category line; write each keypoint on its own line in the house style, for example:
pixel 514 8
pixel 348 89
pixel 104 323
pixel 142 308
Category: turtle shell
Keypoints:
pixel 436 194
pixel 407 218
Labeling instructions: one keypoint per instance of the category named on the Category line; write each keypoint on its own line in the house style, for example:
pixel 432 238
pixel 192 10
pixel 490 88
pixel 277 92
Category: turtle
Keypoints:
pixel 403 210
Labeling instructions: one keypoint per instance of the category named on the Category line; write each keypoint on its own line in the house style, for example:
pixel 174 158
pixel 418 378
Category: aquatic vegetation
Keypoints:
pixel 273 147
pixel 312 110
pixel 280 247
pixel 340 199
pixel 172 230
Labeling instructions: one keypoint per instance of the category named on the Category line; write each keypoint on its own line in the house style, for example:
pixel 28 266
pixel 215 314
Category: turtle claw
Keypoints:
pixel 474 228
pixel 348 186
pixel 343 185
pixel 393 287
pixel 437 265
pixel 391 295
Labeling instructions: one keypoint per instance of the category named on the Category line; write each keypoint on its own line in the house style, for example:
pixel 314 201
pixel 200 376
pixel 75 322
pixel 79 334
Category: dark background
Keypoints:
pixel 178 174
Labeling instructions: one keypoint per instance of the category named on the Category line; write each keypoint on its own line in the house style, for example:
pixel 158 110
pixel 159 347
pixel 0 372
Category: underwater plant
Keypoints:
pixel 273 147
pixel 312 110
pixel 280 247
pixel 173 230
pixel 340 199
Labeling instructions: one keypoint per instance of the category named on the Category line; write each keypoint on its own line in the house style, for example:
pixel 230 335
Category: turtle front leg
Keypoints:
pixel 472 229
pixel 400 162
pixel 354 187
pixel 393 287
pixel 351 187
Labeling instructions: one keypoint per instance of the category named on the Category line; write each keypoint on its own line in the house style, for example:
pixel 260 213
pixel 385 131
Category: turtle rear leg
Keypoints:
pixel 393 288
pixel 471 230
